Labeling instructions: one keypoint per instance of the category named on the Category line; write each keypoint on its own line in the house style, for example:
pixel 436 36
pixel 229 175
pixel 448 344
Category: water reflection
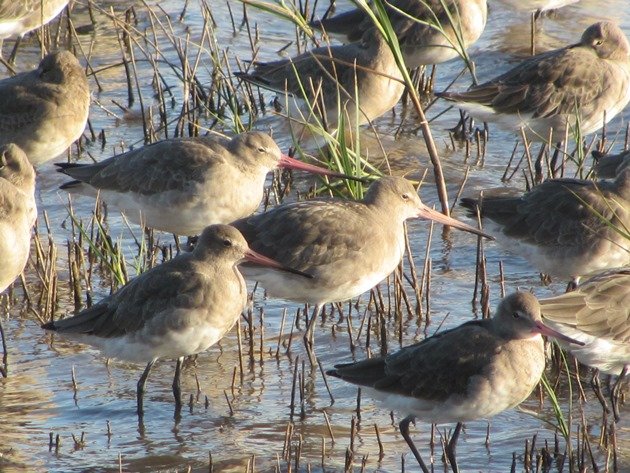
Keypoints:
pixel 39 398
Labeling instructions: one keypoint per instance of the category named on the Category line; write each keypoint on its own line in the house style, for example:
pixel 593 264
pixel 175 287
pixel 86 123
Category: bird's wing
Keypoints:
pixel 554 83
pixel 303 74
pixel 599 307
pixel 434 368
pixel 126 311
pixel 160 167
pixel 302 235
pixel 554 212
pixel 24 100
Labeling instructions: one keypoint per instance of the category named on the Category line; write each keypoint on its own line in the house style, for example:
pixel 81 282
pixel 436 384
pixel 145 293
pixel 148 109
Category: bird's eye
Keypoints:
pixel 227 243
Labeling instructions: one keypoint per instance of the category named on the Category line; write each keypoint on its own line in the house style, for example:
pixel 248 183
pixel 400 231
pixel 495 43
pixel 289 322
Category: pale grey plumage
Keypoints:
pixel 421 41
pixel 44 111
pixel 347 246
pixel 565 227
pixel 328 76
pixel 17 212
pixel 181 185
pixel 455 375
pixel 473 371
pixel 179 308
pixel 598 314
pixel 544 91
pixel 21 16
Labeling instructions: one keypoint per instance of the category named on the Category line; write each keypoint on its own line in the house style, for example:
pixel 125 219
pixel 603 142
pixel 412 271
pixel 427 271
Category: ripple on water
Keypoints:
pixel 38 398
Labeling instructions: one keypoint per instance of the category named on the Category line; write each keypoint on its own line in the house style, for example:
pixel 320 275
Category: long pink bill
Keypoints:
pixel 549 332
pixel 430 214
pixel 291 163
pixel 257 258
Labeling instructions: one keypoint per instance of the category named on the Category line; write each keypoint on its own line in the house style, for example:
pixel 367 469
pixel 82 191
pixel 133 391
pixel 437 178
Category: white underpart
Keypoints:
pixel 564 261
pixel 13 26
pixel 331 283
pixel 607 355
pixel 148 343
pixel 543 5
pixel 187 211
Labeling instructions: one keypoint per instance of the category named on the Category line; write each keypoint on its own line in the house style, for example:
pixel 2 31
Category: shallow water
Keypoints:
pixel 38 398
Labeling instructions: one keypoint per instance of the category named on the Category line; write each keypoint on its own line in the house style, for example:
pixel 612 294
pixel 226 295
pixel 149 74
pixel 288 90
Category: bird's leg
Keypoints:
pixel 538 168
pixel 11 59
pixel 616 392
pixel 460 131
pixel 141 385
pixel 4 62
pixel 451 447
pixel 597 389
pixel 177 387
pixel 4 366
pixel 573 284
pixel 309 335
pixel 533 32
pixel 404 431
pixel 554 160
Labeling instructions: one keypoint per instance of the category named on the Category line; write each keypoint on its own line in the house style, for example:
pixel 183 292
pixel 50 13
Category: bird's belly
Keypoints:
pixel 328 285
pixel 603 353
pixel 142 348
pixel 434 53
pixel 14 250
pixel 50 136
pixel 450 410
pixel 569 262
pixel 176 212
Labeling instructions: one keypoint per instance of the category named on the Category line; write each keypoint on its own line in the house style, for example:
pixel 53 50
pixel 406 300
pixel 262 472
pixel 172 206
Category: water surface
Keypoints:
pixel 38 398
